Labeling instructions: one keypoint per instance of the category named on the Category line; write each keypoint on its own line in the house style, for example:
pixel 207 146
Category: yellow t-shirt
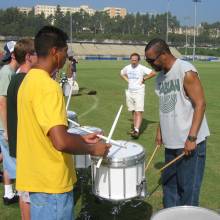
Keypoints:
pixel 40 167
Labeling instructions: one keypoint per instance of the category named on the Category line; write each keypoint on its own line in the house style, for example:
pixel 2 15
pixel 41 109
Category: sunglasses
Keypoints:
pixel 150 60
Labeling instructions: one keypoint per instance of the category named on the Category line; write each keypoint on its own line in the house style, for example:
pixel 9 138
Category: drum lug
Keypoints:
pixel 141 189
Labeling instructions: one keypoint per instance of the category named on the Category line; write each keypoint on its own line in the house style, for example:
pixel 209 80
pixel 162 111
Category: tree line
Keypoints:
pixel 133 27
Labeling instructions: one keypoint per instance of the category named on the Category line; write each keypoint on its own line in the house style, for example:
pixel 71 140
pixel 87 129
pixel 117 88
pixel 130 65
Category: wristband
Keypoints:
pixel 191 138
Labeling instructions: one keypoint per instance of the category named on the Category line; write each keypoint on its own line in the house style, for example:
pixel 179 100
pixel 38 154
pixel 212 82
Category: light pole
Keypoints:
pixel 194 38
pixel 186 43
pixel 167 37
pixel 71 28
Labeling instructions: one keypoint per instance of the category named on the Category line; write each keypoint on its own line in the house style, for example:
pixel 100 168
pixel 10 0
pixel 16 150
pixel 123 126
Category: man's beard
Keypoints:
pixel 157 68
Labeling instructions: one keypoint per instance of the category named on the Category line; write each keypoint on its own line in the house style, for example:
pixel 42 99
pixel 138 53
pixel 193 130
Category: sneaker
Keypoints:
pixel 131 131
pixel 8 201
pixel 135 134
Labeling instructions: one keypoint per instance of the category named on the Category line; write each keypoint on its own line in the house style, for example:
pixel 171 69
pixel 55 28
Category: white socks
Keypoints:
pixel 136 129
pixel 9 191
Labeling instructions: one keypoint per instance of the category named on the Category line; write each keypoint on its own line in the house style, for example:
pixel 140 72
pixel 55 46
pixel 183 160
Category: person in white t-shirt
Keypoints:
pixel 183 126
pixel 136 74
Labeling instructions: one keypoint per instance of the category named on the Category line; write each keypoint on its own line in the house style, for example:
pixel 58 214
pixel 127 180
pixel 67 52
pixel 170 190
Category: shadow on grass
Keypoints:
pixel 159 183
pixel 145 124
pixel 81 91
pixel 85 91
pixel 159 165
pixel 98 209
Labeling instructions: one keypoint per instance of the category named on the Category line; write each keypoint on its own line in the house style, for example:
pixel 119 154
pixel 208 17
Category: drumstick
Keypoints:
pixel 171 162
pixel 70 95
pixel 98 135
pixel 111 132
pixel 152 156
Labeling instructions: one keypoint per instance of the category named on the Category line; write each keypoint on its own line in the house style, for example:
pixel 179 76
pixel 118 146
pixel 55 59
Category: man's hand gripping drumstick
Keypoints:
pixel 98 135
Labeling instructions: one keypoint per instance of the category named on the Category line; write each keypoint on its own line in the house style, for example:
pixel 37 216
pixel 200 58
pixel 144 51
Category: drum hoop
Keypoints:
pixel 121 163
pixel 184 207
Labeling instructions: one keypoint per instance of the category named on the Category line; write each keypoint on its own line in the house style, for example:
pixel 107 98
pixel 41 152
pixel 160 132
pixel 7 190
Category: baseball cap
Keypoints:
pixel 8 48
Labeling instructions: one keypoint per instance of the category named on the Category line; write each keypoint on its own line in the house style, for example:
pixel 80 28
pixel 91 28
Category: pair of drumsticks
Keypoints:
pixel 165 166
pixel 161 169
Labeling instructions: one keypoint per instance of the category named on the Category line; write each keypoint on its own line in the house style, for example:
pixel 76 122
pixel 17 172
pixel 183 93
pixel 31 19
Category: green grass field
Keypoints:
pixel 100 110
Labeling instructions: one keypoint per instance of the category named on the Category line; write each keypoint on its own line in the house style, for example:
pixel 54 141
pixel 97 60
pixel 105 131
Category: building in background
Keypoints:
pixel 114 12
pixel 25 10
pixel 51 10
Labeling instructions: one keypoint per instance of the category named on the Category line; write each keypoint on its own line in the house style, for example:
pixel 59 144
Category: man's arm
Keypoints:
pixel 3 113
pixel 76 144
pixel 148 76
pixel 194 91
pixel 124 76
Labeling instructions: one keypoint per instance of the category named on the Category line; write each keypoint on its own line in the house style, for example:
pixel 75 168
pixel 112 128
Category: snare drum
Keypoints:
pixel 121 175
pixel 72 116
pixel 82 161
pixel 186 212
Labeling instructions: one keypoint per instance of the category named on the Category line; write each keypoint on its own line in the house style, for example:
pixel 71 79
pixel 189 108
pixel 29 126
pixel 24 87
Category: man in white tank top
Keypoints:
pixel 183 126
pixel 136 74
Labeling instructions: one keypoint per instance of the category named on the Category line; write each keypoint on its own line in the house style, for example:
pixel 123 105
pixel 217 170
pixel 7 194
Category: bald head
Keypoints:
pixel 158 45
pixel 158 55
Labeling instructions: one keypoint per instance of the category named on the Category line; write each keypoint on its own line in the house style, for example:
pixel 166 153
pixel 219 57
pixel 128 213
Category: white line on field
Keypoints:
pixel 94 106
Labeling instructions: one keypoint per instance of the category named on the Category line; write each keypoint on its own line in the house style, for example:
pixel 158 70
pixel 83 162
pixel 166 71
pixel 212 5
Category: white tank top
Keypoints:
pixel 175 108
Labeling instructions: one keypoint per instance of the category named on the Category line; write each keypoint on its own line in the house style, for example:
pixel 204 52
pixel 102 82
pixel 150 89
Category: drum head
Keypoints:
pixel 129 150
pixel 186 213
pixel 77 130
pixel 128 155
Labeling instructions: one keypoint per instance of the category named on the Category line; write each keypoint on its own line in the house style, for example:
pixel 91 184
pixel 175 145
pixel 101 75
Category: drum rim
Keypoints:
pixel 115 200
pixel 185 207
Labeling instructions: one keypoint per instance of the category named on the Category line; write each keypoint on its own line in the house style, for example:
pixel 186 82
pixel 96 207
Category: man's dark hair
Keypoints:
pixel 159 46
pixel 49 37
pixel 135 54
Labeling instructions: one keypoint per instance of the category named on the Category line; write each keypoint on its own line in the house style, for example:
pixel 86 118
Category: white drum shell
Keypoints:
pixel 122 182
pixel 82 161
pixel 186 213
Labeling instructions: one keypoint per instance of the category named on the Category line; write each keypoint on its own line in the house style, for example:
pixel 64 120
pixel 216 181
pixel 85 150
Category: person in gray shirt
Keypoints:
pixel 183 126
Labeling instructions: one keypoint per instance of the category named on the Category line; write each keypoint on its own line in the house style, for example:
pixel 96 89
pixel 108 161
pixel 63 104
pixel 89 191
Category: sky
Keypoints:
pixel 207 10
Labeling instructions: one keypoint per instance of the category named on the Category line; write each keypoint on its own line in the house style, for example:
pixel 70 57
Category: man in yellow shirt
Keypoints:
pixel 44 164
